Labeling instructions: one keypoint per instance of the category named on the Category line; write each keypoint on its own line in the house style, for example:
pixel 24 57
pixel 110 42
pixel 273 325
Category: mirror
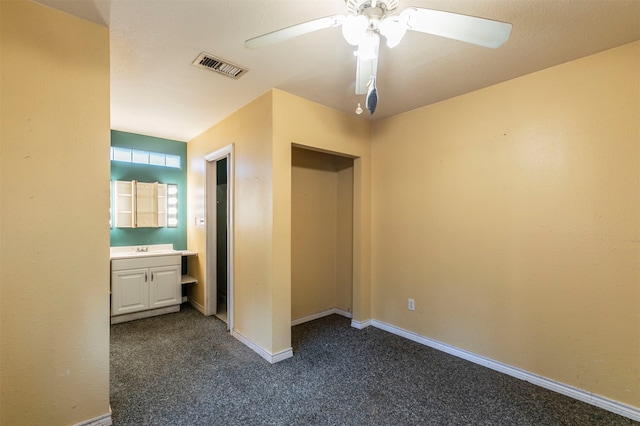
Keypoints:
pixel 143 204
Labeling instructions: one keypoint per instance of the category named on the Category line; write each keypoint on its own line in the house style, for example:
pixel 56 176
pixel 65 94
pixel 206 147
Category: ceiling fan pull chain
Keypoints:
pixel 372 96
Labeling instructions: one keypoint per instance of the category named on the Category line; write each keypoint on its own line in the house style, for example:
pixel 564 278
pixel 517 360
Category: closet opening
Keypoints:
pixel 322 192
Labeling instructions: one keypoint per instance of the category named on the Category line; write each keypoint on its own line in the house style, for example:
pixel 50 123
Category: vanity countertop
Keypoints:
pixel 132 252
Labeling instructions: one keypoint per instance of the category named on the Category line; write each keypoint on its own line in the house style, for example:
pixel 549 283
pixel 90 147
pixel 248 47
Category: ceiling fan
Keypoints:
pixel 367 20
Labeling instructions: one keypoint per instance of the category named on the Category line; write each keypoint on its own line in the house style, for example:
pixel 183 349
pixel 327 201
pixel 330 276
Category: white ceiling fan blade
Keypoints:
pixel 293 31
pixel 480 31
pixel 367 64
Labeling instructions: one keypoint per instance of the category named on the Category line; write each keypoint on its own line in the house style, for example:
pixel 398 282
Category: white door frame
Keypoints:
pixel 210 297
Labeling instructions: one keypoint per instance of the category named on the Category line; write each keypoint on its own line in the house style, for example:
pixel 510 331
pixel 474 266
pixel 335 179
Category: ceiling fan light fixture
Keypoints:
pixel 354 28
pixel 393 29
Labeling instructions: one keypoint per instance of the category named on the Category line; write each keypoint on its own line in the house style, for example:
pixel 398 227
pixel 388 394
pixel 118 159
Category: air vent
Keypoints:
pixel 210 62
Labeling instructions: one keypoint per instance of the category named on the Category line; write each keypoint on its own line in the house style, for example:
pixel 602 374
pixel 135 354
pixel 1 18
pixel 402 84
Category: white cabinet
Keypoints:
pixel 123 204
pixel 140 204
pixel 129 291
pixel 166 287
pixel 144 286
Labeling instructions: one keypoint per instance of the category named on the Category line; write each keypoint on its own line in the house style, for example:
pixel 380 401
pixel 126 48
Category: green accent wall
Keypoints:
pixel 147 173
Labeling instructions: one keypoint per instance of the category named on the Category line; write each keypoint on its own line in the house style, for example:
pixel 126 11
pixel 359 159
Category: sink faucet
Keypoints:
pixel 142 249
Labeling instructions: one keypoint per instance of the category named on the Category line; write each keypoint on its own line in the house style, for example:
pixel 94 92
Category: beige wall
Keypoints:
pixel 307 124
pixel 263 133
pixel 54 220
pixel 249 130
pixel 512 216
pixel 321 232
pixel 344 235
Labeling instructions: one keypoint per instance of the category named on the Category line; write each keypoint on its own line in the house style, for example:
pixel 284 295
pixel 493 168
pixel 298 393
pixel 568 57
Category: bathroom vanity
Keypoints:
pixel 146 281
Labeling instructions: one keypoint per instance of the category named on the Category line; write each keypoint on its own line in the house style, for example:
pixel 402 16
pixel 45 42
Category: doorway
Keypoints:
pixel 219 232
pixel 221 239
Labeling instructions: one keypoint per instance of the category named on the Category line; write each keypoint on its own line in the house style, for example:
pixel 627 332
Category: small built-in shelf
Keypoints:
pixel 187 279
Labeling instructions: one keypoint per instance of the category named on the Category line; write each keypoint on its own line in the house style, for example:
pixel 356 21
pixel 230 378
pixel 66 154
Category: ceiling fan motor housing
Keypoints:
pixel 386 7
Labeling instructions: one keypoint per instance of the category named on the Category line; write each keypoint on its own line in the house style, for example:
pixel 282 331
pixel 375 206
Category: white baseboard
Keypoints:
pixel 360 324
pixel 271 358
pixel 561 388
pixel 320 315
pixel 103 420
pixel 144 314
pixel 281 356
pixel 196 305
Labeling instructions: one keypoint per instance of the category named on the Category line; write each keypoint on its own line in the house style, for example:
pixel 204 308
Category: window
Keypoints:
pixel 137 156
pixel 120 154
pixel 173 161
pixel 157 159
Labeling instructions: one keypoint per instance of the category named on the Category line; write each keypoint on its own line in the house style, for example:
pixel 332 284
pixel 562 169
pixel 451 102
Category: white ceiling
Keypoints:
pixel 155 89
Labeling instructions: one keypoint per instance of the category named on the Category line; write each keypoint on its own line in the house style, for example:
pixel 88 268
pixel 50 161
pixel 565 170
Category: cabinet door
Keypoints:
pixel 165 289
pixel 129 291
pixel 123 204
pixel 162 205
pixel 146 205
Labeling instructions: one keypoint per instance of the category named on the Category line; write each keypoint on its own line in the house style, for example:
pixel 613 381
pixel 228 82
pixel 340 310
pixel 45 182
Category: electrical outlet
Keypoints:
pixel 412 305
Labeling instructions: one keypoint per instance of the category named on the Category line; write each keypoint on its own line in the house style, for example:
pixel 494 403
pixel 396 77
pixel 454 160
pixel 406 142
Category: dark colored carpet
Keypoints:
pixel 185 369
